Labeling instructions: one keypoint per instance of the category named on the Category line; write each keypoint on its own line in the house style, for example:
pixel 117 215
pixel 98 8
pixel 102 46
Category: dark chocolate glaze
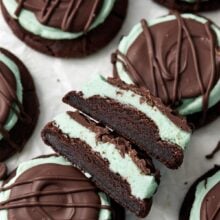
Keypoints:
pixel 52 191
pixel 175 60
pixel 210 209
pixel 9 100
pixel 68 15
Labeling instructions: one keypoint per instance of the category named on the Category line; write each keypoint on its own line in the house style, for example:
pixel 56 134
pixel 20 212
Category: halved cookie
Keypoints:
pixel 136 115
pixel 115 166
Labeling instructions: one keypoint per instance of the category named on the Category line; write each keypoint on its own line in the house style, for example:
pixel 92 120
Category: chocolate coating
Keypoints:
pixel 52 191
pixel 175 60
pixel 27 112
pixel 3 171
pixel 210 208
pixel 7 92
pixel 63 14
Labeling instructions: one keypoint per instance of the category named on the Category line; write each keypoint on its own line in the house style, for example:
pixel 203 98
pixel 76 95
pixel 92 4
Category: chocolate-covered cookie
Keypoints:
pixel 19 107
pixel 190 5
pixel 203 199
pixel 49 187
pixel 176 57
pixel 62 28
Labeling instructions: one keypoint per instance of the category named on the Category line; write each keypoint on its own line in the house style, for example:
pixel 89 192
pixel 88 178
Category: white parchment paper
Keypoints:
pixel 54 77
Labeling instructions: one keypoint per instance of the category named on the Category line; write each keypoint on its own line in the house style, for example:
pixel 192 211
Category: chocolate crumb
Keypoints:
pixel 119 93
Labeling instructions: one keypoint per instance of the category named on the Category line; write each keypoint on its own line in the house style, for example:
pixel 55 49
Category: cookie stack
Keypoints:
pixel 123 126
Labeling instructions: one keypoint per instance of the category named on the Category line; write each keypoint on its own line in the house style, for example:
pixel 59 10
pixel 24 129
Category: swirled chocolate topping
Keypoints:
pixel 52 191
pixel 175 60
pixel 210 209
pixel 68 15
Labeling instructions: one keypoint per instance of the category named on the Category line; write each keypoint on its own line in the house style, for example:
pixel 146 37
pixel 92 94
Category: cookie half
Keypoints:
pixel 203 199
pixel 136 115
pixel 19 105
pixel 49 187
pixel 65 28
pixel 115 166
pixel 176 57
pixel 190 5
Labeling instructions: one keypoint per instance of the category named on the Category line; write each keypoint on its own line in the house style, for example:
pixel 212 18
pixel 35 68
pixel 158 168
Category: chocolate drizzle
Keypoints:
pixel 175 60
pixel 214 152
pixel 52 191
pixel 9 101
pixel 72 15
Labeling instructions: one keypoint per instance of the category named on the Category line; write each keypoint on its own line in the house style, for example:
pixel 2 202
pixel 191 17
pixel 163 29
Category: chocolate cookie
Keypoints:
pixel 190 5
pixel 203 199
pixel 19 105
pixel 49 187
pixel 115 166
pixel 62 28
pixel 136 115
pixel 176 57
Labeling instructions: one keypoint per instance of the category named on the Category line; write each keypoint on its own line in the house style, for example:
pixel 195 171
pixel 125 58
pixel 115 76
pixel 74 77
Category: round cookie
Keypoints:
pixel 190 5
pixel 62 28
pixel 203 199
pixel 49 187
pixel 177 58
pixel 19 105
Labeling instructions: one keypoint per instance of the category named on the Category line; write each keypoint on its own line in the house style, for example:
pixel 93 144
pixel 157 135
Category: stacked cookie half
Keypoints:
pixel 118 128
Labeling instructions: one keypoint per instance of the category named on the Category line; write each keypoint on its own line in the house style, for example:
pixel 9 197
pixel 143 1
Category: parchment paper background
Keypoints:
pixel 54 77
